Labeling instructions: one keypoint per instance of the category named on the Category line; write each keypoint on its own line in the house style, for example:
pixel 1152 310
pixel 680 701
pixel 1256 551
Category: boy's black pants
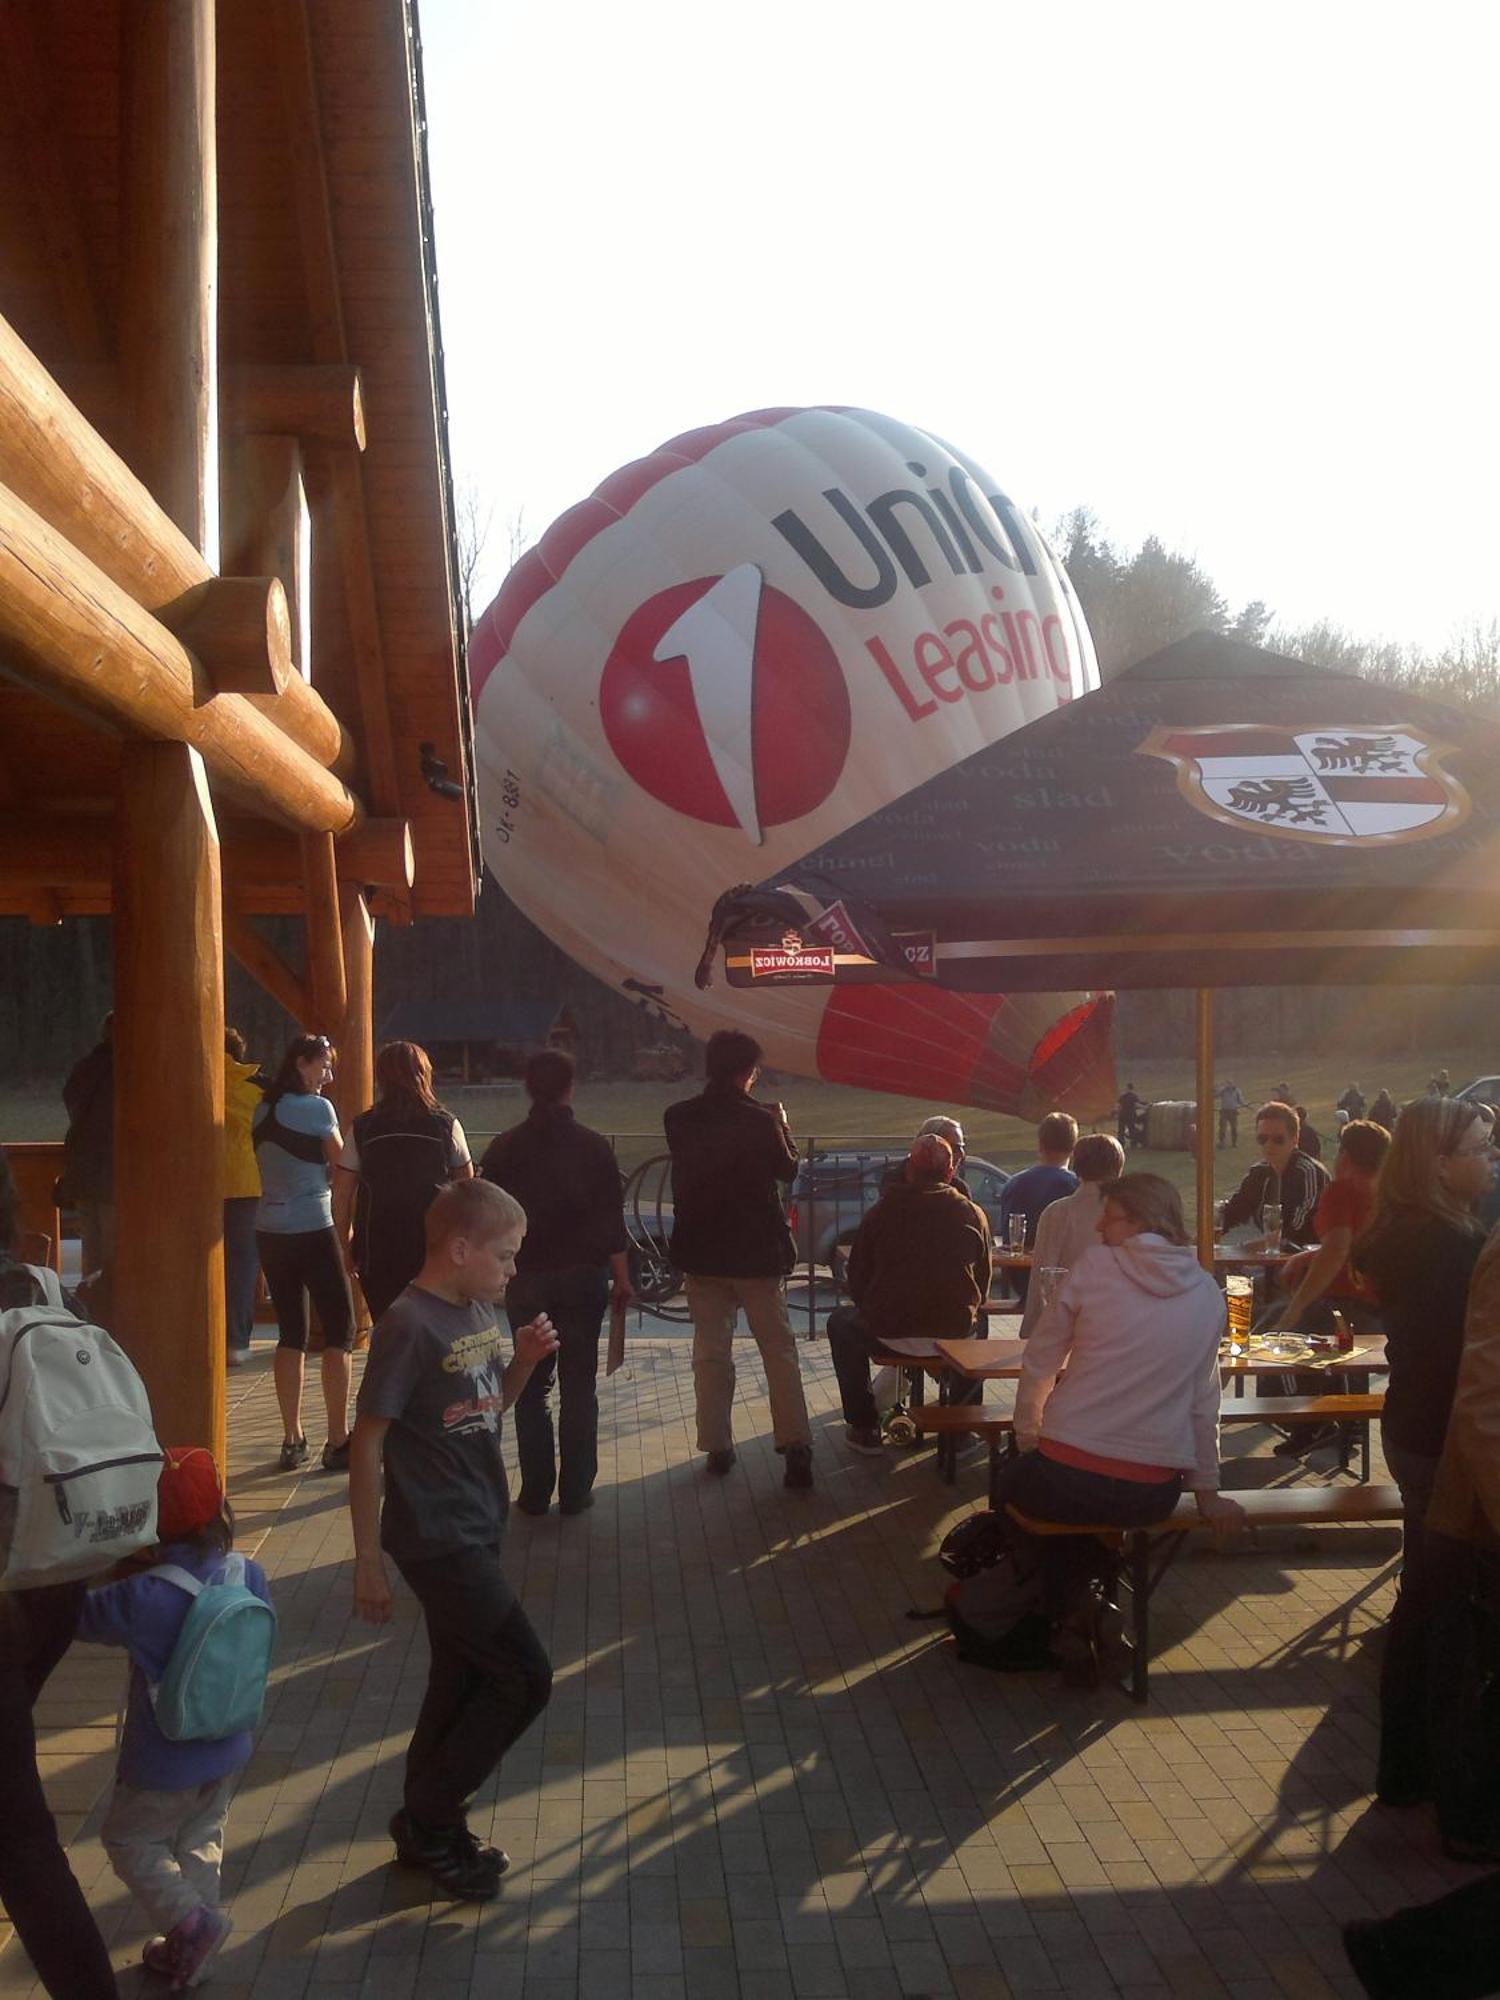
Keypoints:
pixel 488 1682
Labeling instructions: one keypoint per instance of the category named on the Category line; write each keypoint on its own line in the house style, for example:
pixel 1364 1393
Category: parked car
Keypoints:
pixel 834 1190
pixel 1483 1090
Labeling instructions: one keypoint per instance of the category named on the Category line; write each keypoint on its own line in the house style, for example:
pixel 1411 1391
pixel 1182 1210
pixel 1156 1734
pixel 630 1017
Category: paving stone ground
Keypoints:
pixel 759 1780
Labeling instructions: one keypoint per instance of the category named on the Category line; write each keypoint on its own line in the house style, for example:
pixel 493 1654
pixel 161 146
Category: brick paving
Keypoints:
pixel 758 1780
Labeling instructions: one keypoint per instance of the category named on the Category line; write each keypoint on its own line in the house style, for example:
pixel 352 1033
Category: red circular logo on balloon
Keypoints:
pixel 723 699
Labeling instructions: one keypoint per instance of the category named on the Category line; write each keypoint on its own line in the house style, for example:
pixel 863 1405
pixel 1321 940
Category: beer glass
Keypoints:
pixel 1049 1277
pixel 1239 1296
pixel 1270 1222
pixel 1016 1230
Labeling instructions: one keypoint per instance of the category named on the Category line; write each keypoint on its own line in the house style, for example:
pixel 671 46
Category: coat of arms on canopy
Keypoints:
pixel 1334 785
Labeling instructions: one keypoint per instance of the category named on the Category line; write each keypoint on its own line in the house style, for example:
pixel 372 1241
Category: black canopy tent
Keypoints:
pixel 1217 816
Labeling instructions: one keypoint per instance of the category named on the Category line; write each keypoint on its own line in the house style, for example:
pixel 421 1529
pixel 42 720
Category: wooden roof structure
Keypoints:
pixel 231 659
pixel 326 326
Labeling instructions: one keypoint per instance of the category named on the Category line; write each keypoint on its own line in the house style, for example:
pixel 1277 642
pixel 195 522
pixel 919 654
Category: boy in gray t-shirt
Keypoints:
pixel 428 1430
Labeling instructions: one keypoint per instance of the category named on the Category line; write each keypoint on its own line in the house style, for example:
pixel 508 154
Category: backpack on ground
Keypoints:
pixel 215 1682
pixel 79 1459
pixel 994 1605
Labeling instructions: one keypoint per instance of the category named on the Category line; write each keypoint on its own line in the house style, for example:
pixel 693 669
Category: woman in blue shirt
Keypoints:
pixel 297 1145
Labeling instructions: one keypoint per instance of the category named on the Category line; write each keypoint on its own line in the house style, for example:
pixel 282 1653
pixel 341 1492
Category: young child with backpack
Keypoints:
pixel 198 1627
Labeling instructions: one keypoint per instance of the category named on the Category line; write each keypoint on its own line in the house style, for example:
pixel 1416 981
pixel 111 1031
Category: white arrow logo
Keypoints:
pixel 716 636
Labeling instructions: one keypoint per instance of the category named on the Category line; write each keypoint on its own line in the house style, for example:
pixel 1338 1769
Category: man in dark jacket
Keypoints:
pixel 1284 1174
pixel 919 1267
pixel 573 1259
pixel 731 1242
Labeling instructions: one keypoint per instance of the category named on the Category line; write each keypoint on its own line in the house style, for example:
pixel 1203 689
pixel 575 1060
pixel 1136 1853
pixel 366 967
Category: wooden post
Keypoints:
pixel 354 1078
pixel 1204 1158
pixel 168 1273
pixel 169 259
pixel 268 527
pixel 325 948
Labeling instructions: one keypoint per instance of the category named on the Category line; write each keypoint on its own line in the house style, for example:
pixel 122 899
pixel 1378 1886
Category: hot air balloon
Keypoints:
pixel 737 649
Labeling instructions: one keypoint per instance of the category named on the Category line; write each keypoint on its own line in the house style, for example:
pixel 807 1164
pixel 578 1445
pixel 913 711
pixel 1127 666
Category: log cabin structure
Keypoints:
pixel 228 610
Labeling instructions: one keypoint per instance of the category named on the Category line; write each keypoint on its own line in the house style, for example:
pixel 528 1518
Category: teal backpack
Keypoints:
pixel 215 1682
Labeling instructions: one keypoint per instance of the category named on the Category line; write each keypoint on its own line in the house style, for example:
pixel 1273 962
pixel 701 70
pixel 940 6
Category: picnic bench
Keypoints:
pixel 1149 1552
pixel 1295 1412
pixel 950 1421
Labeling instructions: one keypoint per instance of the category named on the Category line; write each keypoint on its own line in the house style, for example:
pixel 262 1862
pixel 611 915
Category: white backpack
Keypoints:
pixel 79 1459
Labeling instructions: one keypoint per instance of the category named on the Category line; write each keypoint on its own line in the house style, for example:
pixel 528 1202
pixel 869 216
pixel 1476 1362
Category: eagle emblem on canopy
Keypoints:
pixel 1336 785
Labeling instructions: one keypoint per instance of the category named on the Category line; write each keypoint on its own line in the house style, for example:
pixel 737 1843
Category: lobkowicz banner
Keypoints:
pixel 736 650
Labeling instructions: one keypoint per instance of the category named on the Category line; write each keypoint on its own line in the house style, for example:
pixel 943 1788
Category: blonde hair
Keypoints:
pixel 1428 1129
pixel 471 1208
pixel 1150 1201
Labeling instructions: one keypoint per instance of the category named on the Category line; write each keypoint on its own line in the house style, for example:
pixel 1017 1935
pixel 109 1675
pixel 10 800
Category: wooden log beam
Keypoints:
pixel 169 254
pixel 65 628
pixel 167 1292
pixel 267 527
pixel 74 852
pixel 266 966
pixel 239 629
pixel 325 949
pixel 318 401
pixel 52 459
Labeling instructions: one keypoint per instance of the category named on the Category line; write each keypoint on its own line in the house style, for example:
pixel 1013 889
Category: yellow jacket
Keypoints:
pixel 241 1096
pixel 1466 1497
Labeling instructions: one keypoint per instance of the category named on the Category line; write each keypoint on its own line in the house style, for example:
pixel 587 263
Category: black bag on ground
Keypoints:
pixel 994 1605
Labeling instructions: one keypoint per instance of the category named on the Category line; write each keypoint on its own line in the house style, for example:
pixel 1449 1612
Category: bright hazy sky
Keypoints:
pixel 1221 274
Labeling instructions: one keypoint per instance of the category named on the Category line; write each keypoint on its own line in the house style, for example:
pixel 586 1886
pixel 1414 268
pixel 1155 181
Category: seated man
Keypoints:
pixel 1283 1175
pixel 919 1268
pixel 1030 1191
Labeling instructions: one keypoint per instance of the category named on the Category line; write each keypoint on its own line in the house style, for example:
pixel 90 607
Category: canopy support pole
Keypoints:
pixel 1203 1156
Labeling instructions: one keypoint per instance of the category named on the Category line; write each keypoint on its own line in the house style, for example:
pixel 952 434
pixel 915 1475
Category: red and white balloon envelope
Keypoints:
pixel 733 651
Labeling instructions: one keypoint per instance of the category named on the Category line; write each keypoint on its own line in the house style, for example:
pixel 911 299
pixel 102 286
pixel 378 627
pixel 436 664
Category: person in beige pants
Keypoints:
pixel 731 1157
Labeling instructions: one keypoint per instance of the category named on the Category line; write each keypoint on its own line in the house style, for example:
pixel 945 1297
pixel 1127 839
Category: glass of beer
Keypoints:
pixel 1270 1222
pixel 1239 1295
pixel 1016 1228
pixel 1050 1277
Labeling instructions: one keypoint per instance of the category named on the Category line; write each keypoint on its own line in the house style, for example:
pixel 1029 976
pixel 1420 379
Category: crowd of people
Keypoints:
pixel 1116 1416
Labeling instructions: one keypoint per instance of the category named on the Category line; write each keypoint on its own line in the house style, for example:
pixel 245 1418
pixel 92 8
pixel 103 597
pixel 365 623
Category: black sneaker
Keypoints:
pixel 719 1462
pixel 295 1454
pixel 579 1506
pixel 336 1457
pixel 454 1858
pixel 798 1474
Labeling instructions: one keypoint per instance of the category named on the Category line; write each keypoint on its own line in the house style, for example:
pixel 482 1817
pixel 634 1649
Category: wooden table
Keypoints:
pixel 1253 1260
pixel 983 1360
pixel 1368 1357
pixel 1011 1260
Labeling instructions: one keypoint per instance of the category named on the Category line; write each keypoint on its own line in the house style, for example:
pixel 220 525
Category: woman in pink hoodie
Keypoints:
pixel 1133 1421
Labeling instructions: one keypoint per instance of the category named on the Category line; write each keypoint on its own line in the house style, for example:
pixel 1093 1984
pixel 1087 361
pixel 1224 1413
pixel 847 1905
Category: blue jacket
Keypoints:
pixel 144 1614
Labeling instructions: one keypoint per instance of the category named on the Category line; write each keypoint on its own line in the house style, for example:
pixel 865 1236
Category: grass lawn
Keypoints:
pixel 832 1114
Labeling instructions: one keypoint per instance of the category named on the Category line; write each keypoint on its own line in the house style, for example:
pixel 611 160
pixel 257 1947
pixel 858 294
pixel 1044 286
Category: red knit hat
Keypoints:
pixel 189 1493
